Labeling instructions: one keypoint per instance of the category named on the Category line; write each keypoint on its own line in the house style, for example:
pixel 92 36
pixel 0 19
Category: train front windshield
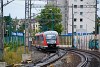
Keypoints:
pixel 51 39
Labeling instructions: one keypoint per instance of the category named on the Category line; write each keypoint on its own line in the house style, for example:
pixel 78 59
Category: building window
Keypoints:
pixel 81 19
pixel 65 15
pixel 81 26
pixel 81 6
pixel 75 0
pixel 75 19
pixel 75 13
pixel 81 0
pixel 81 13
pixel 74 26
pixel 65 8
pixel 75 6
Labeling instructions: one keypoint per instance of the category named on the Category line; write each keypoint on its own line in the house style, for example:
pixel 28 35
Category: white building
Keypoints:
pixel 84 15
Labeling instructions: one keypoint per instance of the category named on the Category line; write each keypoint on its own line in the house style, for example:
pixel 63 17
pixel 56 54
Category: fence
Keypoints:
pixel 80 41
pixel 14 39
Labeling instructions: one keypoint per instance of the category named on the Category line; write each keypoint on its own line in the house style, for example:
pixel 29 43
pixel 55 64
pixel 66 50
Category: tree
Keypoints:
pixel 59 28
pixel 98 25
pixel 22 28
pixel 10 25
pixel 49 18
pixel 7 19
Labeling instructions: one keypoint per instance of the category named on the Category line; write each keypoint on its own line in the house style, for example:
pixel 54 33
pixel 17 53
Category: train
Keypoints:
pixel 47 39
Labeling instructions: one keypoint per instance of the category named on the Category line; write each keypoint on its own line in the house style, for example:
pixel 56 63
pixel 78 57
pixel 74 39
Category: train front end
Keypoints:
pixel 52 39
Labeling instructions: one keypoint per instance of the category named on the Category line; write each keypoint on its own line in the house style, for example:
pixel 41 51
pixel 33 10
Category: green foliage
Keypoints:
pixel 9 25
pixel 98 25
pixel 12 46
pixel 22 28
pixel 7 19
pixel 13 53
pixel 59 28
pixel 50 16
pixel 13 57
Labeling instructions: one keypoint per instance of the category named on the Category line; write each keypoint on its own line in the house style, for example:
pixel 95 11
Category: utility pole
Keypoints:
pixel 1 30
pixel 95 21
pixel 27 22
pixel 72 27
pixel 52 21
pixel 29 28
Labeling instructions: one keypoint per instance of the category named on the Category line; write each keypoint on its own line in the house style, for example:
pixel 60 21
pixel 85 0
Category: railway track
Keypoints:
pixel 49 59
pixel 88 58
pixel 84 58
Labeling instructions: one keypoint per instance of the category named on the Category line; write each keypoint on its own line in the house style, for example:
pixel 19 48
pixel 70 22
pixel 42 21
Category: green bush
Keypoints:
pixel 13 57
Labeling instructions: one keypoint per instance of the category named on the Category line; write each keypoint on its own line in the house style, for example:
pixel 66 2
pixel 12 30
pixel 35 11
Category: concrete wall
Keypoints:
pixel 26 57
pixel 2 64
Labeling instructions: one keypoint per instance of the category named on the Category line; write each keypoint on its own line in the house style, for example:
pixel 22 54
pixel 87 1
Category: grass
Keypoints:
pixel 13 55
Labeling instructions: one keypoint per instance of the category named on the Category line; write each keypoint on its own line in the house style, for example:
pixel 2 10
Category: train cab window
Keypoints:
pixel 50 36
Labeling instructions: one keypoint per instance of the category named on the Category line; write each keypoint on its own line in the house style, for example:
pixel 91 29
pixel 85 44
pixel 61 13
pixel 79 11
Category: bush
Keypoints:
pixel 13 57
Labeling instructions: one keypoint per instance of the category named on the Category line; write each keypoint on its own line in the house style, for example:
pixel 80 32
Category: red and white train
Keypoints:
pixel 47 39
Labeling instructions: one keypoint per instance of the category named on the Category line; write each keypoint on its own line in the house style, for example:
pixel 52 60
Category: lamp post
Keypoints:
pixel 52 19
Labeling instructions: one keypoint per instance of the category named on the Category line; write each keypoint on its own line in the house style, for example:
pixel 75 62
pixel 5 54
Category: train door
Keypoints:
pixel 41 40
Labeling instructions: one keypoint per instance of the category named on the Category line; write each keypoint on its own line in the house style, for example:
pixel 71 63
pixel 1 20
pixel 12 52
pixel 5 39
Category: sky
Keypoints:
pixel 17 8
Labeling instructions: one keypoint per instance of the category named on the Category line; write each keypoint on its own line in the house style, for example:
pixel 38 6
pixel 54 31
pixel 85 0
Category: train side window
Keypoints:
pixel 41 37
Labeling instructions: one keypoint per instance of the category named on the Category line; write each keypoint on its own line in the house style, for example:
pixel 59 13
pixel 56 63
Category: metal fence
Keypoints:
pixel 80 41
pixel 14 39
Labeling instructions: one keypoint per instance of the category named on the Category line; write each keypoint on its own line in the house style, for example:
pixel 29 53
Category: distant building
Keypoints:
pixel 35 27
pixel 34 24
pixel 84 15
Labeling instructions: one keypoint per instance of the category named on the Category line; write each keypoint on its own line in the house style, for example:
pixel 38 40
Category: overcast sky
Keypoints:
pixel 17 8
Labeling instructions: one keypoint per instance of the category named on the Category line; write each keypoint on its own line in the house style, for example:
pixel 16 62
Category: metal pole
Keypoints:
pixel 99 38
pixel 25 29
pixel 86 38
pixel 95 22
pixel 52 21
pixel 72 27
pixel 30 26
pixel 1 30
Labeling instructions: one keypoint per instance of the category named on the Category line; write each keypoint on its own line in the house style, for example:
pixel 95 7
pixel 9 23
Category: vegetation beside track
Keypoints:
pixel 13 53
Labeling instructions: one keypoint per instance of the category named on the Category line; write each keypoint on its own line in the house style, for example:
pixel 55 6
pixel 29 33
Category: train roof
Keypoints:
pixel 47 32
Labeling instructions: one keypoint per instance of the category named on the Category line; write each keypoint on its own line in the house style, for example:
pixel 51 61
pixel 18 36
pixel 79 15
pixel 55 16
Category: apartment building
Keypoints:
pixel 83 15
